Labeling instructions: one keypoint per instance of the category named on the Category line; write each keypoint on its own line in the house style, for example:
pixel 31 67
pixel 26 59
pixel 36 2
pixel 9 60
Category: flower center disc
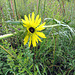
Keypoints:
pixel 31 29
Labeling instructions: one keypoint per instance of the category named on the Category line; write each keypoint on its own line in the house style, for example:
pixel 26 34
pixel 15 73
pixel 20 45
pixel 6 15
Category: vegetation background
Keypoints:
pixel 55 55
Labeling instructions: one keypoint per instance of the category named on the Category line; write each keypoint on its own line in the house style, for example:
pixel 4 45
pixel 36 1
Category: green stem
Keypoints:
pixel 15 8
pixel 39 7
pixel 43 14
pixel 51 25
pixel 14 22
pixel 6 51
pixel 7 35
pixel 34 60
pixel 54 53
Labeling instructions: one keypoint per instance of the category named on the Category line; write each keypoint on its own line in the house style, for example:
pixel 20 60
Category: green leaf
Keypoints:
pixel 14 22
pixel 38 69
pixel 6 36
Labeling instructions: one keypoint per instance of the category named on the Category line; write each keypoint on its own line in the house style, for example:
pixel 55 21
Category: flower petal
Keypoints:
pixel 29 18
pixel 25 23
pixel 41 34
pixel 38 38
pixel 40 27
pixel 33 41
pixel 37 21
pixel 42 24
pixel 26 39
pixel 26 18
pixel 30 41
pixel 37 17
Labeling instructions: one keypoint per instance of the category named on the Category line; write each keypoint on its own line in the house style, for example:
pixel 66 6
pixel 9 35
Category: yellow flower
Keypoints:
pixel 33 29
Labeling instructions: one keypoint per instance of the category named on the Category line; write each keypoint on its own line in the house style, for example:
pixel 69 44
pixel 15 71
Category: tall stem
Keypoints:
pixel 34 60
pixel 15 9
pixel 39 7
pixel 7 51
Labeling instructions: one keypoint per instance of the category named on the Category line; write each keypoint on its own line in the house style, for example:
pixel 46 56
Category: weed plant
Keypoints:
pixel 55 55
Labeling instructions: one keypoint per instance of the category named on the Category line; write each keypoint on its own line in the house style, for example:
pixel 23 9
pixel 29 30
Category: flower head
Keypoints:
pixel 33 27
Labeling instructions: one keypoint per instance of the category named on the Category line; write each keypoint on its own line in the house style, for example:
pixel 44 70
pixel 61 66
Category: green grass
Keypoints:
pixel 55 55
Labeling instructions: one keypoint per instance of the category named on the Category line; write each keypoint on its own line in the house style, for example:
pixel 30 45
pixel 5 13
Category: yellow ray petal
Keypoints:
pixel 30 41
pixel 24 25
pixel 26 39
pixel 38 38
pixel 41 34
pixel 40 27
pixel 25 22
pixel 37 21
pixel 42 24
pixel 37 17
pixel 29 18
pixel 33 41
pixel 26 18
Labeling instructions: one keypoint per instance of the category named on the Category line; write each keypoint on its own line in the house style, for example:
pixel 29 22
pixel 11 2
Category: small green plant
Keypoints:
pixel 55 55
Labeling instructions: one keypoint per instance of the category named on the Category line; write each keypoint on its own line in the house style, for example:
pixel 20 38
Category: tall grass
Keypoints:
pixel 55 55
